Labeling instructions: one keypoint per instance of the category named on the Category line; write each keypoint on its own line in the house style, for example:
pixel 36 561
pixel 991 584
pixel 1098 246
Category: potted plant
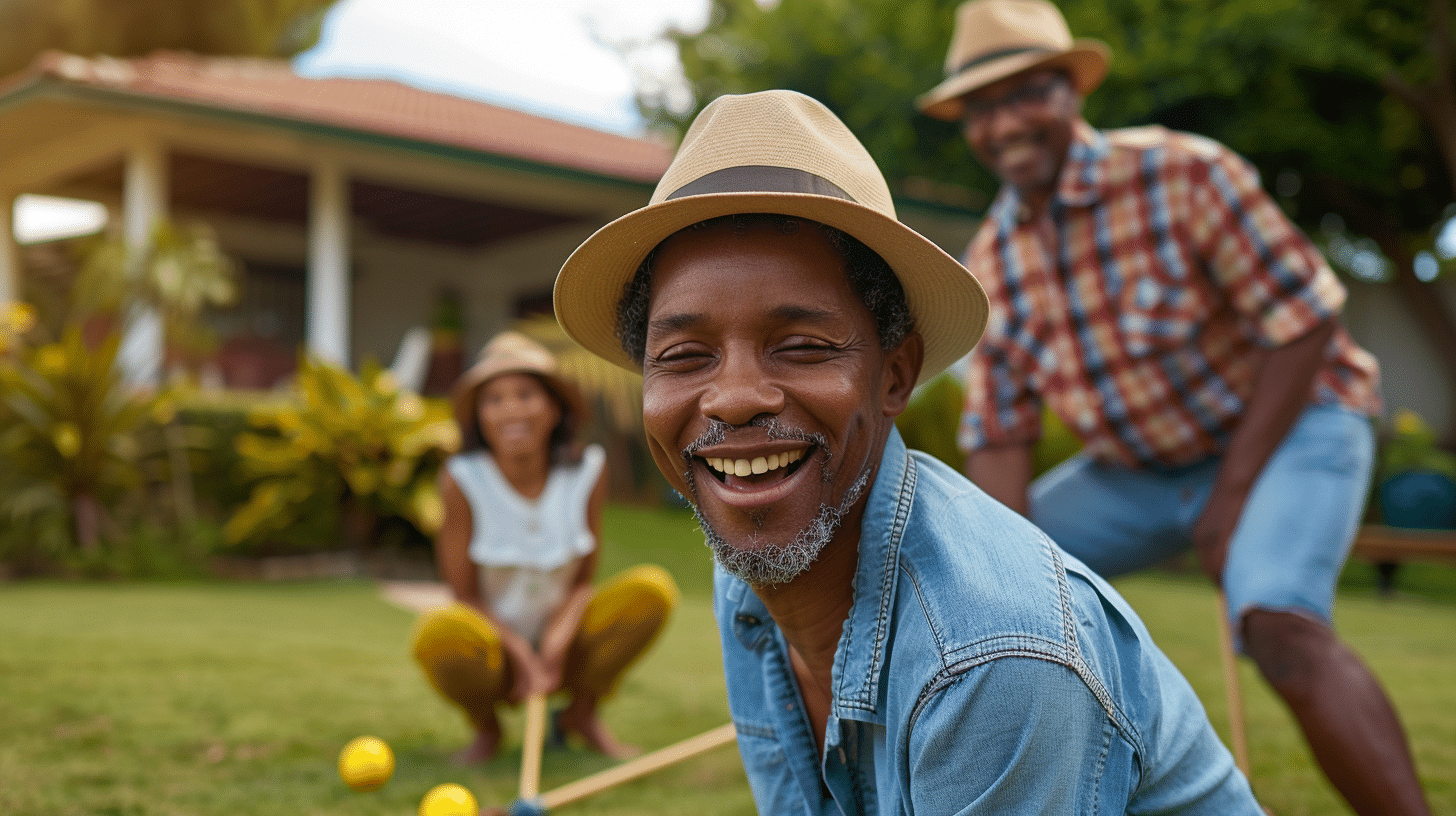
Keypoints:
pixel 1417 486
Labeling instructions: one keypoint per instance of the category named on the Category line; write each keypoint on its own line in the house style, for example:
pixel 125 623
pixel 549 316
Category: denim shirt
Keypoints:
pixel 981 670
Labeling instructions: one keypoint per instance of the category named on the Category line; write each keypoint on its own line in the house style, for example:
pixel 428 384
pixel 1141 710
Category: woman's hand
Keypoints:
pixel 530 675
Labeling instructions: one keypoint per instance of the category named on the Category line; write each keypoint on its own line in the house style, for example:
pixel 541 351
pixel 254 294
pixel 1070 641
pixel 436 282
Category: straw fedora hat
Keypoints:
pixel 777 152
pixel 513 353
pixel 994 39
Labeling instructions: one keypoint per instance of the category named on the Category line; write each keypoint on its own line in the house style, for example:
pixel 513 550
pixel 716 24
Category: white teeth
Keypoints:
pixel 757 465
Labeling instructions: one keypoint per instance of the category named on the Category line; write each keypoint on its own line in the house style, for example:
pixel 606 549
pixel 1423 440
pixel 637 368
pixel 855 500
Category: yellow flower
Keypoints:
pixel 1408 422
pixel 51 361
pixel 410 407
pixel 67 438
pixel 19 318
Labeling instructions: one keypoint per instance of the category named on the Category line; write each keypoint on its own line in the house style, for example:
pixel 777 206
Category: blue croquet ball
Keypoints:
pixel 527 807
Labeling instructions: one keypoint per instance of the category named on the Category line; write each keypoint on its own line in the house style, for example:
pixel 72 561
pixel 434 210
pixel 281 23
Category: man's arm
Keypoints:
pixel 1282 387
pixel 1004 472
pixel 1024 736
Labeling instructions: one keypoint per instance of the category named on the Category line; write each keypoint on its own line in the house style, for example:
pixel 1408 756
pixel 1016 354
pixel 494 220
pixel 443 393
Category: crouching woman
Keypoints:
pixel 519 547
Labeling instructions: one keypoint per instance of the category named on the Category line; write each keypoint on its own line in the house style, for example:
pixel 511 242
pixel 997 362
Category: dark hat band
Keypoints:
pixel 756 178
pixel 994 55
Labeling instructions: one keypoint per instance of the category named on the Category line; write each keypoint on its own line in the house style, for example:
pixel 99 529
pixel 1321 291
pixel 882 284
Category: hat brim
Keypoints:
pixel 947 303
pixel 1086 61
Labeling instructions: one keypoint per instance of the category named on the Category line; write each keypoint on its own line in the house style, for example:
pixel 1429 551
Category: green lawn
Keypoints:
pixel 230 698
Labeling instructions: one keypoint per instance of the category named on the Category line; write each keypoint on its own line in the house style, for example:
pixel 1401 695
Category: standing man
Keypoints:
pixel 1146 289
pixel 894 641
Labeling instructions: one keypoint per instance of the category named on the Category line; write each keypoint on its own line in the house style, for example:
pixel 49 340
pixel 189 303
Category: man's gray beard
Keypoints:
pixel 770 563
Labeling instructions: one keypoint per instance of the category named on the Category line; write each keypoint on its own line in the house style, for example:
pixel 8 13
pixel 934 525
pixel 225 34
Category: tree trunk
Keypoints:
pixel 360 523
pixel 86 519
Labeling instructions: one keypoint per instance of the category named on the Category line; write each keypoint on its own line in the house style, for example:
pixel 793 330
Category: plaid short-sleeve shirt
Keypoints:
pixel 1137 307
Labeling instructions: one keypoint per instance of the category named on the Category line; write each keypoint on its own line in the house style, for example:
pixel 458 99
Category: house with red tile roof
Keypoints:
pixel 353 205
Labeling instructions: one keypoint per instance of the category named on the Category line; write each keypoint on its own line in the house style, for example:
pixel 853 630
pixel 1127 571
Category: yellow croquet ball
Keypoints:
pixel 366 763
pixel 449 800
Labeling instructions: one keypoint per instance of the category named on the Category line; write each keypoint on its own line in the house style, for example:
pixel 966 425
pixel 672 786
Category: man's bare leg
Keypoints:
pixel 1348 720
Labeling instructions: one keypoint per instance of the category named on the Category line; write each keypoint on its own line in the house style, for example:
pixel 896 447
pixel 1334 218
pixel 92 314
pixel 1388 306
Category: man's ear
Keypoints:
pixel 902 369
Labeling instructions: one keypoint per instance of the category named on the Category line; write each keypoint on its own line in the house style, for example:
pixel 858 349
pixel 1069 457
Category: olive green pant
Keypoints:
pixel 462 655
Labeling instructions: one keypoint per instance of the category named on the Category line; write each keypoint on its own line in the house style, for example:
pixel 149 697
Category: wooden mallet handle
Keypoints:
pixel 1233 696
pixel 641 766
pixel 532 744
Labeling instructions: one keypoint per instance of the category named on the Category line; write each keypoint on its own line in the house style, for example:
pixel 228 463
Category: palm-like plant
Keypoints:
pixel 180 271
pixel 70 430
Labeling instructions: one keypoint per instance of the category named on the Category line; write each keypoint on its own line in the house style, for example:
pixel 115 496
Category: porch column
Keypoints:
pixel 328 264
pixel 144 204
pixel 9 256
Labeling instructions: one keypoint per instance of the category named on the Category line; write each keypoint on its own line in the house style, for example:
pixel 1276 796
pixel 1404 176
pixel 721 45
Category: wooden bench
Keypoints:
pixel 1388 547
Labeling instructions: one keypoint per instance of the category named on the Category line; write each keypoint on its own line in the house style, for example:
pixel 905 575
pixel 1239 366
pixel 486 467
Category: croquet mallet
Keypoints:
pixel 533 743
pixel 1233 695
pixel 611 777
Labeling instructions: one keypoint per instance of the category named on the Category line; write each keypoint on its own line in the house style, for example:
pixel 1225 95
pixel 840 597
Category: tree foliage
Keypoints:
pixel 255 28
pixel 1343 93
pixel 1347 107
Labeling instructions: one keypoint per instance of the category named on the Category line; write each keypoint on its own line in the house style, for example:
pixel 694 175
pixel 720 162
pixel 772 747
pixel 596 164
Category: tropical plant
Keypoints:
pixel 16 320
pixel 179 271
pixel 1411 448
pixel 358 443
pixel 933 417
pixel 71 431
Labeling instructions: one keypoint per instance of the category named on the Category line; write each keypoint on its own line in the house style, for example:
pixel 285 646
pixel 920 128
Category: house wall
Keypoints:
pixel 1412 375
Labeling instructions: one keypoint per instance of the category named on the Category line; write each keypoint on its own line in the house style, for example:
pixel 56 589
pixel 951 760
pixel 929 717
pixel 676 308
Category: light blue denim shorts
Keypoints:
pixel 1290 543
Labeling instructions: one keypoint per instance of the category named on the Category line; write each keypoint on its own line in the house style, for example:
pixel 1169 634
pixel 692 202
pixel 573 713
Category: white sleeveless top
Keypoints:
pixel 528 551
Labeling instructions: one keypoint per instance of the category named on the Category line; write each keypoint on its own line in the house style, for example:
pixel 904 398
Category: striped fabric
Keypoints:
pixel 1138 307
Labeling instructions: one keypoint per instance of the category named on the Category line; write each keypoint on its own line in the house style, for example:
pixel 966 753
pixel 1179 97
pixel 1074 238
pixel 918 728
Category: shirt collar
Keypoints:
pixel 860 657
pixel 1080 184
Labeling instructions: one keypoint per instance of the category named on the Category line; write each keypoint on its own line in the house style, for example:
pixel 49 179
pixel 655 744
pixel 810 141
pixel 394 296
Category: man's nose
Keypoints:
pixel 740 391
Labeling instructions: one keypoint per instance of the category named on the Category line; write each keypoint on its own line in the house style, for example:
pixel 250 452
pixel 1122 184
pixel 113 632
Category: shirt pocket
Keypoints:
pixel 1157 314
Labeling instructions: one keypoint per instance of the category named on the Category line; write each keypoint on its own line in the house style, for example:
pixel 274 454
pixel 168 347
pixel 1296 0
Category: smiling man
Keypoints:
pixel 894 641
pixel 1146 289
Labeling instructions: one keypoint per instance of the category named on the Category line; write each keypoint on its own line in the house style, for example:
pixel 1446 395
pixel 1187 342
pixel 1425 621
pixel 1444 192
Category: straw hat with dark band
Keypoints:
pixel 774 152
pixel 994 39
pixel 513 353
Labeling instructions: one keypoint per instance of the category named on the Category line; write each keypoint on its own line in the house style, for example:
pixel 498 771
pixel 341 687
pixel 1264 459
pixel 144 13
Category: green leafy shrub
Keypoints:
pixel 931 423
pixel 71 434
pixel 358 444
pixel 931 420
pixel 1411 448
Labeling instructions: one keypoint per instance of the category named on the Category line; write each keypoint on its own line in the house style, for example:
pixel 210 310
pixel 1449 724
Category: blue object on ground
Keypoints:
pixel 527 807
pixel 1423 500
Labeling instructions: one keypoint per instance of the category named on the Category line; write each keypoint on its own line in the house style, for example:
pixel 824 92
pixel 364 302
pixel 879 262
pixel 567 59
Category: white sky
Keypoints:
pixel 546 56
pixel 549 57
